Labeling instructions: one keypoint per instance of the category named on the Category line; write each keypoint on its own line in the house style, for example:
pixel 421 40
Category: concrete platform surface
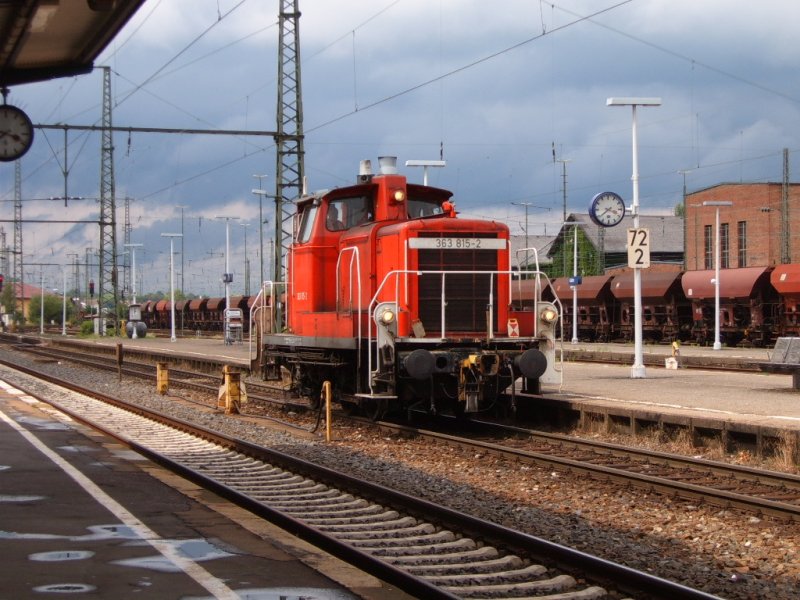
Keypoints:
pixel 755 398
pixel 82 515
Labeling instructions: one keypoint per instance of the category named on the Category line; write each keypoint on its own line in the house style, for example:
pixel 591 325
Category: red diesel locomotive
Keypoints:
pixel 397 302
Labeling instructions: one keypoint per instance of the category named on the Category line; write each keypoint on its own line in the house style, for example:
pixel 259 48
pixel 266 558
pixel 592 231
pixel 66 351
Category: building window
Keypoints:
pixel 724 246
pixel 741 228
pixel 708 242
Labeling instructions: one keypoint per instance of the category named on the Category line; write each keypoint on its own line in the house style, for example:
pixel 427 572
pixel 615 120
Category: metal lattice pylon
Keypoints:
pixel 289 139
pixel 4 254
pixel 108 209
pixel 18 280
pixel 126 258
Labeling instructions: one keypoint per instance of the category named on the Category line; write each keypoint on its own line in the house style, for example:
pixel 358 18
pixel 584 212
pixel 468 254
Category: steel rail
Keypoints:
pixel 658 484
pixel 718 497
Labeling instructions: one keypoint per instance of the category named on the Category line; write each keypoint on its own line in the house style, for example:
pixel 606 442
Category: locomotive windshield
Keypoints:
pixel 425 201
pixel 344 213
pixel 424 208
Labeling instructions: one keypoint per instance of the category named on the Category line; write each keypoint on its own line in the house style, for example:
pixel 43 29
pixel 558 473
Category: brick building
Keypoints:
pixel 754 229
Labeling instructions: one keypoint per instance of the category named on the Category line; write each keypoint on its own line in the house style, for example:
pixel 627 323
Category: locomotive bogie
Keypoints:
pixel 456 380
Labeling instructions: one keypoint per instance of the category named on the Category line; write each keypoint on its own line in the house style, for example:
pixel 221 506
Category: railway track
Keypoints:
pixel 424 549
pixel 716 483
pixel 194 380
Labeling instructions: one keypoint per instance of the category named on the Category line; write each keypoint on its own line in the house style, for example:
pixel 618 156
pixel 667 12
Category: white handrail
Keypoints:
pixel 354 258
pixel 259 304
pixel 253 310
pixel 353 250
pixel 405 272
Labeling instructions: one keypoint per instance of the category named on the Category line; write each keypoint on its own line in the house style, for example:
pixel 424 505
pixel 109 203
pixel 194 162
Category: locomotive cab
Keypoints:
pixel 398 302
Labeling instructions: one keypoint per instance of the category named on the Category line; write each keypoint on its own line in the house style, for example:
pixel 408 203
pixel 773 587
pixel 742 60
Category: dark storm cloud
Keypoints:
pixel 494 86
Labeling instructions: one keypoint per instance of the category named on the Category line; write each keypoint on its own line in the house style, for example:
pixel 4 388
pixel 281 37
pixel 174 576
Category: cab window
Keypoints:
pixel 307 218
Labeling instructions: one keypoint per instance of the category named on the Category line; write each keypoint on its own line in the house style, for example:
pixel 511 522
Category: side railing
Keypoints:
pixel 538 275
pixel 263 313
pixel 354 264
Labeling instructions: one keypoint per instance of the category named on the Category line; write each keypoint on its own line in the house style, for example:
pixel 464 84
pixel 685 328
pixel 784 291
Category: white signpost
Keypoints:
pixel 639 248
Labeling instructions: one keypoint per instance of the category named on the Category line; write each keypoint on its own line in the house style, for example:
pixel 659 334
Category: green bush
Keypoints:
pixel 87 328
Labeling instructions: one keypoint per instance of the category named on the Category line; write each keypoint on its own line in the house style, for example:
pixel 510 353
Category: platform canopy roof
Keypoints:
pixel 46 39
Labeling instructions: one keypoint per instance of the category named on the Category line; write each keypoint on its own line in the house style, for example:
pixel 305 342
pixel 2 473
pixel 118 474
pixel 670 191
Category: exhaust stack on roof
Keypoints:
pixel 388 165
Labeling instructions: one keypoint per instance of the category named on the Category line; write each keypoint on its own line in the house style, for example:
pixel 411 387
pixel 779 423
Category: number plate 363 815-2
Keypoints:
pixel 456 243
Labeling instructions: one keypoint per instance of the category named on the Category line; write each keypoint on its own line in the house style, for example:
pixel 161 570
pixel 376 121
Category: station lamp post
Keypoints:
pixel 133 309
pixel 64 305
pixel 716 204
pixel 260 193
pixel 425 164
pixel 575 283
pixel 41 302
pixel 246 261
pixel 637 370
pixel 227 277
pixel 171 237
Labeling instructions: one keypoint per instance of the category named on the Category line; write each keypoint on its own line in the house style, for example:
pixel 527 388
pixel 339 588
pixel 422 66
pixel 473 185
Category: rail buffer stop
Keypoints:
pixel 785 358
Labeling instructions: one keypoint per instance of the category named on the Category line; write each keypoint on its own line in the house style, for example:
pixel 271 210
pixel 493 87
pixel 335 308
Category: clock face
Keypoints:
pixel 607 209
pixel 16 133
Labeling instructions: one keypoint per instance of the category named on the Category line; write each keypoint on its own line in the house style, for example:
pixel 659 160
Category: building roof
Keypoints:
pixel 666 233
pixel 740 184
pixel 29 291
pixel 542 243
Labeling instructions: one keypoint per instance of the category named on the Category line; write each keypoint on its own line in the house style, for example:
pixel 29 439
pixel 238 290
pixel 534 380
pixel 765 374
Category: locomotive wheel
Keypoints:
pixel 375 408
pixel 458 410
pixel 349 408
pixel 316 399
pixel 504 408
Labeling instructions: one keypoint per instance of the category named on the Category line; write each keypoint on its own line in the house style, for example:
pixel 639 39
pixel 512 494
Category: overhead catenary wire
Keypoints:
pixel 165 72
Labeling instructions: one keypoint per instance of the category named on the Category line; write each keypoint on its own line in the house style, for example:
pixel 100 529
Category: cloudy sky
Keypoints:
pixel 498 89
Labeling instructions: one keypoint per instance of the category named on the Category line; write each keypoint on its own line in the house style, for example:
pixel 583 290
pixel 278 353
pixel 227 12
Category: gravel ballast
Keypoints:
pixel 724 552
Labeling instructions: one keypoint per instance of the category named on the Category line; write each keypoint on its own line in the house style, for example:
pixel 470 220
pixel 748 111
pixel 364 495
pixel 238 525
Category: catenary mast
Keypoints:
pixel 289 139
pixel 108 209
pixel 18 280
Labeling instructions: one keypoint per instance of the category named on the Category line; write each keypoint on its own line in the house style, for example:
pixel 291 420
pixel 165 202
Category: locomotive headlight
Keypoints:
pixel 385 317
pixel 549 314
pixel 399 195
